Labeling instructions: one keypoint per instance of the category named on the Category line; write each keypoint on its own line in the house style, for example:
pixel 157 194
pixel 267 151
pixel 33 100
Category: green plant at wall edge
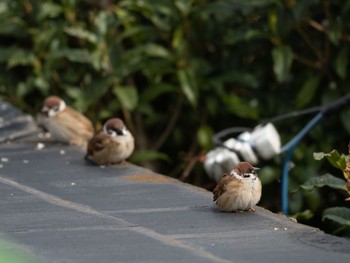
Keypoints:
pixel 338 216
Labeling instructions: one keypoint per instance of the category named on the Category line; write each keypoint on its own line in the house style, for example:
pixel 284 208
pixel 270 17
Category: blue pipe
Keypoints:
pixel 289 148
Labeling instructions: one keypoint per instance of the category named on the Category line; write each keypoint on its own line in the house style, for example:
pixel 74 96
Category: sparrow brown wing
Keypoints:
pixel 84 121
pixel 75 123
pixel 221 186
pixel 103 149
pixel 98 143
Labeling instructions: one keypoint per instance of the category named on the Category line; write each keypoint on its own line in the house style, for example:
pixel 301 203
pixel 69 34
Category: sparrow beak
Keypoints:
pixel 45 112
pixel 116 132
pixel 255 169
pixel 119 132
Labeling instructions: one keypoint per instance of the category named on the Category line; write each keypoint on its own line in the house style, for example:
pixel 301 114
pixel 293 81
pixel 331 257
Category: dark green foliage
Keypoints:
pixel 324 180
pixel 339 216
pixel 179 70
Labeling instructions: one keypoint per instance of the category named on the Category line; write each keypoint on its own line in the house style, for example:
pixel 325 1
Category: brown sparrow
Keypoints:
pixel 112 145
pixel 238 190
pixel 64 124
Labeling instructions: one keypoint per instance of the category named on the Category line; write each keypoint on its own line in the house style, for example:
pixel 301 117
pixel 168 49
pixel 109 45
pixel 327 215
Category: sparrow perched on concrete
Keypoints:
pixel 238 190
pixel 112 145
pixel 65 124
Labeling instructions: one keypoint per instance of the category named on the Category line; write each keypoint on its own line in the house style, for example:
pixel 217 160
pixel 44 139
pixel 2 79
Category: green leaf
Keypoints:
pixel 14 27
pixel 101 22
pixel 304 215
pixel 42 84
pixel 273 20
pixel 341 62
pixel 282 61
pixel 301 8
pixel 20 57
pixel 184 6
pixel 23 89
pixel 187 86
pixel 240 77
pixel 307 92
pixel 337 160
pixel 235 36
pixel 6 53
pixel 134 31
pixel 334 158
pixel 240 107
pixel 341 215
pixel 11 251
pixel 148 155
pixel 158 12
pixel 127 96
pixel 157 90
pixel 100 60
pixel 77 95
pixel 155 50
pixel 320 155
pixel 49 10
pixel 73 55
pixel 81 33
pixel 268 175
pixel 178 38
pixel 15 56
pixel 334 33
pixel 324 180
pixel 97 88
pixel 258 3
pixel 204 136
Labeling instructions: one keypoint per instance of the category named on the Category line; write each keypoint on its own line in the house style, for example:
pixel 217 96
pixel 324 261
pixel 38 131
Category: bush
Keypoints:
pixel 178 71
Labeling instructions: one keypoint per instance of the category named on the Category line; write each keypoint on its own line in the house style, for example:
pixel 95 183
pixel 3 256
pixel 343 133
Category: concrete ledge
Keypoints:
pixel 55 207
pixel 59 208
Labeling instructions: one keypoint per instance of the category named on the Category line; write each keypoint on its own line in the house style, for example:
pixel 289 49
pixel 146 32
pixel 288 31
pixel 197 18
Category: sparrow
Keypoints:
pixel 239 190
pixel 112 145
pixel 64 124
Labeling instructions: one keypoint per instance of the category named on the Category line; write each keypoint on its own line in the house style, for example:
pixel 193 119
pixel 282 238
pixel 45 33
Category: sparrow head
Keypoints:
pixel 115 127
pixel 52 106
pixel 244 170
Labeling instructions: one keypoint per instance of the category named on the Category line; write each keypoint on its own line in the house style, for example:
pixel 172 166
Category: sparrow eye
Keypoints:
pixel 55 108
pixel 115 132
pixel 246 175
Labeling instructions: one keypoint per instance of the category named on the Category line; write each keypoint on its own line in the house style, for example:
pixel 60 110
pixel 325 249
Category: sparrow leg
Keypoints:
pixel 238 211
pixel 252 209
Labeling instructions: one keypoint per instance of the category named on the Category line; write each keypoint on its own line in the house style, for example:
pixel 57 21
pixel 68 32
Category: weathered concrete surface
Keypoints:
pixel 56 207
pixel 63 209
pixel 14 124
